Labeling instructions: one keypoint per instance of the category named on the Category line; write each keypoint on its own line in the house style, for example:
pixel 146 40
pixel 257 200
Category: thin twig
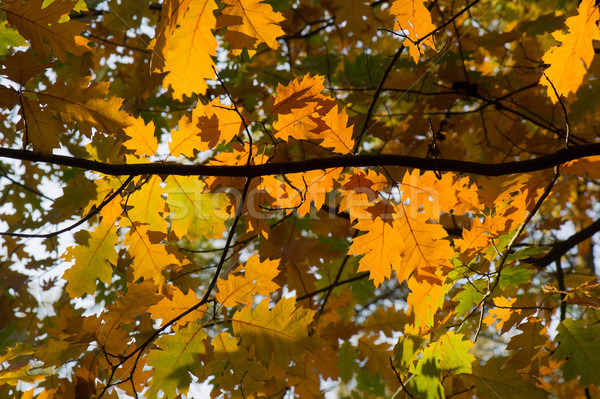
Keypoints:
pixel 87 217
pixel 451 20
pixel 375 98
pixel 400 379
pixel 564 109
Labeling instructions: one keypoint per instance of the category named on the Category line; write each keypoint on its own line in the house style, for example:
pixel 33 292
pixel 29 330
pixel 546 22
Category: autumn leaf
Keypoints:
pixel 41 24
pixel 148 204
pixel 170 307
pixel 191 48
pixel 87 104
pixel 413 17
pixel 339 135
pixel 177 354
pixel 249 23
pixel 141 138
pixel 150 258
pixel 210 124
pixel 278 333
pixel 568 61
pixel 93 257
pixel 257 280
pixel 195 213
pixel 381 245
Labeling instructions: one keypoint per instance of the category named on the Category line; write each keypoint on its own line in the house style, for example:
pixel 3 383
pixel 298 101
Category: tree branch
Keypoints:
pixel 558 250
pixel 278 168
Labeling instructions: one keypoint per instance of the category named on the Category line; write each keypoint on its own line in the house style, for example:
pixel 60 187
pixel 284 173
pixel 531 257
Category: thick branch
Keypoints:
pixel 442 165
pixel 558 250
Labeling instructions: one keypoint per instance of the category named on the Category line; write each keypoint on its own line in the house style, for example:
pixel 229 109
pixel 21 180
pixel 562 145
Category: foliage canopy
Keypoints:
pixel 278 198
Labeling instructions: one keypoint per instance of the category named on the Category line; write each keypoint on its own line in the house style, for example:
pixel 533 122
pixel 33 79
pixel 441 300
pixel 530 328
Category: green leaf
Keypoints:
pixel 427 375
pixel 454 353
pixel 580 347
pixel 405 352
pixel 516 275
pixel 9 37
pixel 493 381
pixel 175 356
pixel 347 363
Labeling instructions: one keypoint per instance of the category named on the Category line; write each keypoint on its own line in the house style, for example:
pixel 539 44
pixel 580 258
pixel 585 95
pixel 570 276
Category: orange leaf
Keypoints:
pixel 168 308
pixel 569 60
pixel 339 135
pixel 191 48
pixel 413 17
pixel 257 280
pixel 141 137
pixel 249 23
pixel 381 245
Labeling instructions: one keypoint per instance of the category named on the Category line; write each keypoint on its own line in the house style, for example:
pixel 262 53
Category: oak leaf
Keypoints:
pixel 175 356
pixel 281 333
pixel 150 258
pixel 141 138
pixel 149 206
pixel 92 256
pixel 381 245
pixel 170 307
pixel 193 212
pixel 249 23
pixel 41 24
pixel 580 346
pixel 257 280
pixel 569 60
pixel 191 48
pixel 413 17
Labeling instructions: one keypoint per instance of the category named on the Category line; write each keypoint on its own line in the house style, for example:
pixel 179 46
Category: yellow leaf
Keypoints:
pixel 568 62
pixel 150 257
pixel 92 256
pixel 195 213
pixel 424 300
pixel 257 280
pixel 249 23
pixel 191 48
pixel 171 14
pixel 141 138
pixel 44 30
pixel 169 308
pixel 413 17
pixel 281 333
pixel 380 246
pixel 148 204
